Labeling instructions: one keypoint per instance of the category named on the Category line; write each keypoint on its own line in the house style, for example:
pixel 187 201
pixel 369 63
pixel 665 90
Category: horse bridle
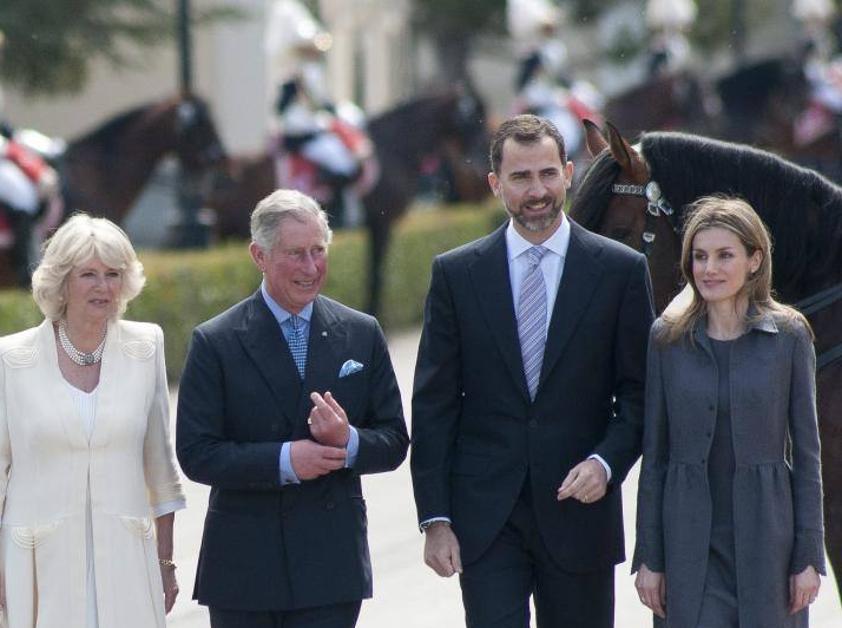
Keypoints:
pixel 657 205
pixel 187 118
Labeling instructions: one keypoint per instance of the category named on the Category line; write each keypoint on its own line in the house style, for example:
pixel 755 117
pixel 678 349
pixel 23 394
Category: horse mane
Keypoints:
pixel 593 192
pixel 802 209
pixel 420 112
pixel 107 134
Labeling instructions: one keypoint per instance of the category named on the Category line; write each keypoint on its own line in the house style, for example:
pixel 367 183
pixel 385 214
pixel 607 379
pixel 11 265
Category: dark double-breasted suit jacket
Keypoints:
pixel 267 546
pixel 476 434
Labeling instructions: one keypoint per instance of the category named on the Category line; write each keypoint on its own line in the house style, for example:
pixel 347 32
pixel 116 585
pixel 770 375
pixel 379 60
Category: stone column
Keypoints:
pixel 338 17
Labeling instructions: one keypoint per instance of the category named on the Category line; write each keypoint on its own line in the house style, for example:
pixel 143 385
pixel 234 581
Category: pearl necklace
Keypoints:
pixel 79 357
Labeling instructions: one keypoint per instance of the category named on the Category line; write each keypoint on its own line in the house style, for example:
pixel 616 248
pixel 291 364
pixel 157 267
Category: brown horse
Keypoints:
pixel 803 211
pixel 664 102
pixel 104 171
pixel 763 102
pixel 447 124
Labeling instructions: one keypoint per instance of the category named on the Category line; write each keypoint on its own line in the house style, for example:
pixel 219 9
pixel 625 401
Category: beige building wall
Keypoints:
pixel 228 72
pixel 231 73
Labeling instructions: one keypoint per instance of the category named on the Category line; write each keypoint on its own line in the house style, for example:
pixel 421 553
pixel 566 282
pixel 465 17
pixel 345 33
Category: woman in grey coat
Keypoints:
pixel 729 524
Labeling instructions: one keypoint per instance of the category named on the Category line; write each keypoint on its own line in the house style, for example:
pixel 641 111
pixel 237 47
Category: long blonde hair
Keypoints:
pixel 737 216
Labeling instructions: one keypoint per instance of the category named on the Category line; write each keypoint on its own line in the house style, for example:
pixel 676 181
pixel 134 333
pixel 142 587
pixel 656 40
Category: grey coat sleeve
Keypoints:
pixel 806 465
pixel 649 548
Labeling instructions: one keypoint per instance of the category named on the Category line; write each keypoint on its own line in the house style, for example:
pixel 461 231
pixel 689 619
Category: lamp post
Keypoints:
pixel 189 231
pixel 185 47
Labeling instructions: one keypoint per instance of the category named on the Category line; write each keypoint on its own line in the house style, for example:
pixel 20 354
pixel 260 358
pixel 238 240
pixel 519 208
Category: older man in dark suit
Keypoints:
pixel 285 401
pixel 527 408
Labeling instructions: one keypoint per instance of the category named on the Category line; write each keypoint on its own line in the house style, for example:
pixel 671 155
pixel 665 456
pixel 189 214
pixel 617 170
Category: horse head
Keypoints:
pixel 466 143
pixel 618 198
pixel 198 145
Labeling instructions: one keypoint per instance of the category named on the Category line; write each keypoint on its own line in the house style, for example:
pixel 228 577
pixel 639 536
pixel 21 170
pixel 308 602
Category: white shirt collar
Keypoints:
pixel 279 312
pixel 558 242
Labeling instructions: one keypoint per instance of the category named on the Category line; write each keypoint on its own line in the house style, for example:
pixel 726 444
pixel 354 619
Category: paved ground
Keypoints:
pixel 406 593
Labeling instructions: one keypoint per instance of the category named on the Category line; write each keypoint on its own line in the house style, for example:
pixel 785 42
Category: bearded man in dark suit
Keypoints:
pixel 527 406
pixel 285 401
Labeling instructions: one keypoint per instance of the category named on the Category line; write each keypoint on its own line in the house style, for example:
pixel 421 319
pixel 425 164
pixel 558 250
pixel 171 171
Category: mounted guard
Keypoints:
pixel 668 21
pixel 322 148
pixel 543 86
pixel 822 66
pixel 29 190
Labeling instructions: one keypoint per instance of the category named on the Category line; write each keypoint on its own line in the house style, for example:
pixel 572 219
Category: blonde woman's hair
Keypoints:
pixel 737 216
pixel 79 240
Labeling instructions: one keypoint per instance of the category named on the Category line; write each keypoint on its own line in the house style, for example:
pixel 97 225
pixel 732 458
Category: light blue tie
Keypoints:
pixel 297 343
pixel 532 318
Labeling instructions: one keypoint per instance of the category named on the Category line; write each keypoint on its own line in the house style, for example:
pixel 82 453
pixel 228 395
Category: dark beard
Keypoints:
pixel 537 225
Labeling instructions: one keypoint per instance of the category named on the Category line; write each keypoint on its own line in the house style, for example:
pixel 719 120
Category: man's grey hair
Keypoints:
pixel 283 205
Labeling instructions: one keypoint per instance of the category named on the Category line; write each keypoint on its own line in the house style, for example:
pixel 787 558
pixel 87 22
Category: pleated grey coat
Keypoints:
pixel 777 493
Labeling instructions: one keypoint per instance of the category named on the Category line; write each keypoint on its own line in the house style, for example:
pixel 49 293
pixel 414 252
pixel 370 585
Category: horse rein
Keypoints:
pixel 815 303
pixel 657 205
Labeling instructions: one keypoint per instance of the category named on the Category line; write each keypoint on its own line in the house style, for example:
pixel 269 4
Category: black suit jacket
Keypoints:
pixel 476 435
pixel 267 547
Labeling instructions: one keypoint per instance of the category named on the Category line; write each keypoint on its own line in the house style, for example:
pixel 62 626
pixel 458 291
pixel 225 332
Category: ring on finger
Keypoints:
pixel 309 420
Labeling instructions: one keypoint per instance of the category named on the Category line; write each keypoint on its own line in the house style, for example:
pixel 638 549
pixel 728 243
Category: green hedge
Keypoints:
pixel 186 288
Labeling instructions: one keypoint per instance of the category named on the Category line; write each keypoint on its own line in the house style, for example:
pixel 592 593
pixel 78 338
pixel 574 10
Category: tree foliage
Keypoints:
pixel 49 43
pixel 465 18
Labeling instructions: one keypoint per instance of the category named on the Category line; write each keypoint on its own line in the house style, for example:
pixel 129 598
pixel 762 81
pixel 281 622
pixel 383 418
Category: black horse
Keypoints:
pixel 449 124
pixel 803 211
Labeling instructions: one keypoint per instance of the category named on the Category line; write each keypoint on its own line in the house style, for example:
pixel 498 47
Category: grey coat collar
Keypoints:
pixel 756 322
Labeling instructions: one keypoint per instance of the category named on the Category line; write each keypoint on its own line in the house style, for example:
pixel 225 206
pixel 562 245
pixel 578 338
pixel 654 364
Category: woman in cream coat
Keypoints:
pixel 88 487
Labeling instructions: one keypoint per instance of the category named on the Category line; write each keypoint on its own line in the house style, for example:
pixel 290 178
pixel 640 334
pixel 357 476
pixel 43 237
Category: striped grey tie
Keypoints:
pixel 532 318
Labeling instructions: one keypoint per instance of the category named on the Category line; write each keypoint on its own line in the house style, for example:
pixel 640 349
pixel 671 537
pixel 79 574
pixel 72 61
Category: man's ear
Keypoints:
pixel 258 256
pixel 494 183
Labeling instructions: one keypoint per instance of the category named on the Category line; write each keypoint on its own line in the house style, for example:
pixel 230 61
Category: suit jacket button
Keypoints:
pixel 533 423
pixel 330 505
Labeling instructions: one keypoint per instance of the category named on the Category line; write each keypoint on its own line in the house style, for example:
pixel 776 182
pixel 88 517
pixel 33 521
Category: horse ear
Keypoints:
pixel 594 138
pixel 622 151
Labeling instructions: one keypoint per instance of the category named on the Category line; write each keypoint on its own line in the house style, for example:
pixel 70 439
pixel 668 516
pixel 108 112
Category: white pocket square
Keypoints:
pixel 349 368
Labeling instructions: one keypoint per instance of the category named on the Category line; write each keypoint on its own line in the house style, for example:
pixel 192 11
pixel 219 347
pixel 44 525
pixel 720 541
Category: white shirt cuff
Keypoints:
pixel 604 464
